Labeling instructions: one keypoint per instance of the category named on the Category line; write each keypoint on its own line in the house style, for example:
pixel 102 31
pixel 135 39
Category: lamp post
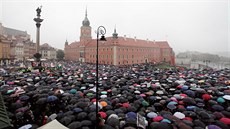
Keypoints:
pixel 100 31
pixel 206 63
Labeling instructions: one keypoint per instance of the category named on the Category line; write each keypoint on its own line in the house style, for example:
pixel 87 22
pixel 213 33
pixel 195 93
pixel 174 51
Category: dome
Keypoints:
pixel 85 22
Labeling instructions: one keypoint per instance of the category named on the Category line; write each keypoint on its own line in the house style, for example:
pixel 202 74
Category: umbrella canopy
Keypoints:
pixel 81 115
pixel 52 117
pixel 179 115
pixel 22 109
pixel 65 120
pixel 52 98
pixel 28 126
pixel 151 115
pixel 75 125
pixel 24 97
pixel 73 91
pixel 227 97
pixel 16 105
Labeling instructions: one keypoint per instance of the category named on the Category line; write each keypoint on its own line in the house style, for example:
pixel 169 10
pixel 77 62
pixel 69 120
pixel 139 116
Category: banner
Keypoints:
pixel 140 121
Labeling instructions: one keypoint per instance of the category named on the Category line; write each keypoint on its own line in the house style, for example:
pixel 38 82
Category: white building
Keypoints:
pixel 48 52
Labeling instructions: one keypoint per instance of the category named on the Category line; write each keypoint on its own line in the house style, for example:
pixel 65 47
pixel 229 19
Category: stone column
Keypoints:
pixel 38 21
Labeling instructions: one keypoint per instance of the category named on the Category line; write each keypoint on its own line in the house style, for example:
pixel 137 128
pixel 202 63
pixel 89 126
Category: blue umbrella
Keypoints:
pixel 24 97
pixel 191 108
pixel 171 106
pixel 51 98
pixel 151 115
pixel 172 103
pixel 77 110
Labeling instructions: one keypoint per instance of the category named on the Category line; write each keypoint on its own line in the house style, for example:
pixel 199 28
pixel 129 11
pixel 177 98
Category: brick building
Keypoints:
pixel 21 47
pixel 117 50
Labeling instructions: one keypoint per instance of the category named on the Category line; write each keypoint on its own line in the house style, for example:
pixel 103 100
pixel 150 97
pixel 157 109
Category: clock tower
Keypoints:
pixel 85 30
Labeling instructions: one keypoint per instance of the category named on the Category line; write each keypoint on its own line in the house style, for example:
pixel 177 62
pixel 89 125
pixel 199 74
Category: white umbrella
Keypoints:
pixel 179 115
pixel 159 92
pixel 28 126
pixel 227 97
pixel 52 117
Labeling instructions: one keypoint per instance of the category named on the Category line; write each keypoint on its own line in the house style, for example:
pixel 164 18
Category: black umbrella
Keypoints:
pixel 44 91
pixel 42 95
pixel 70 107
pixel 189 101
pixel 131 109
pixel 19 115
pixel 108 127
pixel 217 107
pixel 109 112
pixel 75 125
pixel 92 116
pixel 81 115
pixel 68 113
pixel 82 104
pixel 16 105
pixel 86 123
pixel 41 101
pixel 108 107
pixel 65 120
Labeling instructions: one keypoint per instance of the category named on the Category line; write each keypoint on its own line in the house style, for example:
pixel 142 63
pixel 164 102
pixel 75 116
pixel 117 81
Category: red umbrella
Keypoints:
pixel 102 114
pixel 126 105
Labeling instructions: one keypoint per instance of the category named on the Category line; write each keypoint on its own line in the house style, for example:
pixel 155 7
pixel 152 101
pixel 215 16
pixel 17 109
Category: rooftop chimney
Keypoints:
pixel 124 37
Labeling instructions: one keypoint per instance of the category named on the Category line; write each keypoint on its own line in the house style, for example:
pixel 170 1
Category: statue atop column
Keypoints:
pixel 39 11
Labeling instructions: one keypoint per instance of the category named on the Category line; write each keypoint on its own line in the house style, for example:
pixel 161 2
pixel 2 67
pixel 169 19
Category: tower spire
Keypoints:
pixel 115 34
pixel 86 12
pixel 86 22
pixel 66 42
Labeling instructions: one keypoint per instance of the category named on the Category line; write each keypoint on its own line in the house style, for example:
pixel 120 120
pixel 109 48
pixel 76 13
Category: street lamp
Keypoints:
pixel 206 62
pixel 100 31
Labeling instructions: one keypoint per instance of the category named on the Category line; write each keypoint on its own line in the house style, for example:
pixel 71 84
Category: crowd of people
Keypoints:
pixel 130 97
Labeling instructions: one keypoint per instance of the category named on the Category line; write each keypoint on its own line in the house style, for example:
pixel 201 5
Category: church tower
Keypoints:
pixel 85 30
pixel 66 43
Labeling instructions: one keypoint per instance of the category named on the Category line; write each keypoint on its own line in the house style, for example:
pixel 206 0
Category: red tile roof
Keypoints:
pixel 122 41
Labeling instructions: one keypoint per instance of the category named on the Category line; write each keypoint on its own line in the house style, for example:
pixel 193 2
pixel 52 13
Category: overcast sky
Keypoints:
pixel 194 25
